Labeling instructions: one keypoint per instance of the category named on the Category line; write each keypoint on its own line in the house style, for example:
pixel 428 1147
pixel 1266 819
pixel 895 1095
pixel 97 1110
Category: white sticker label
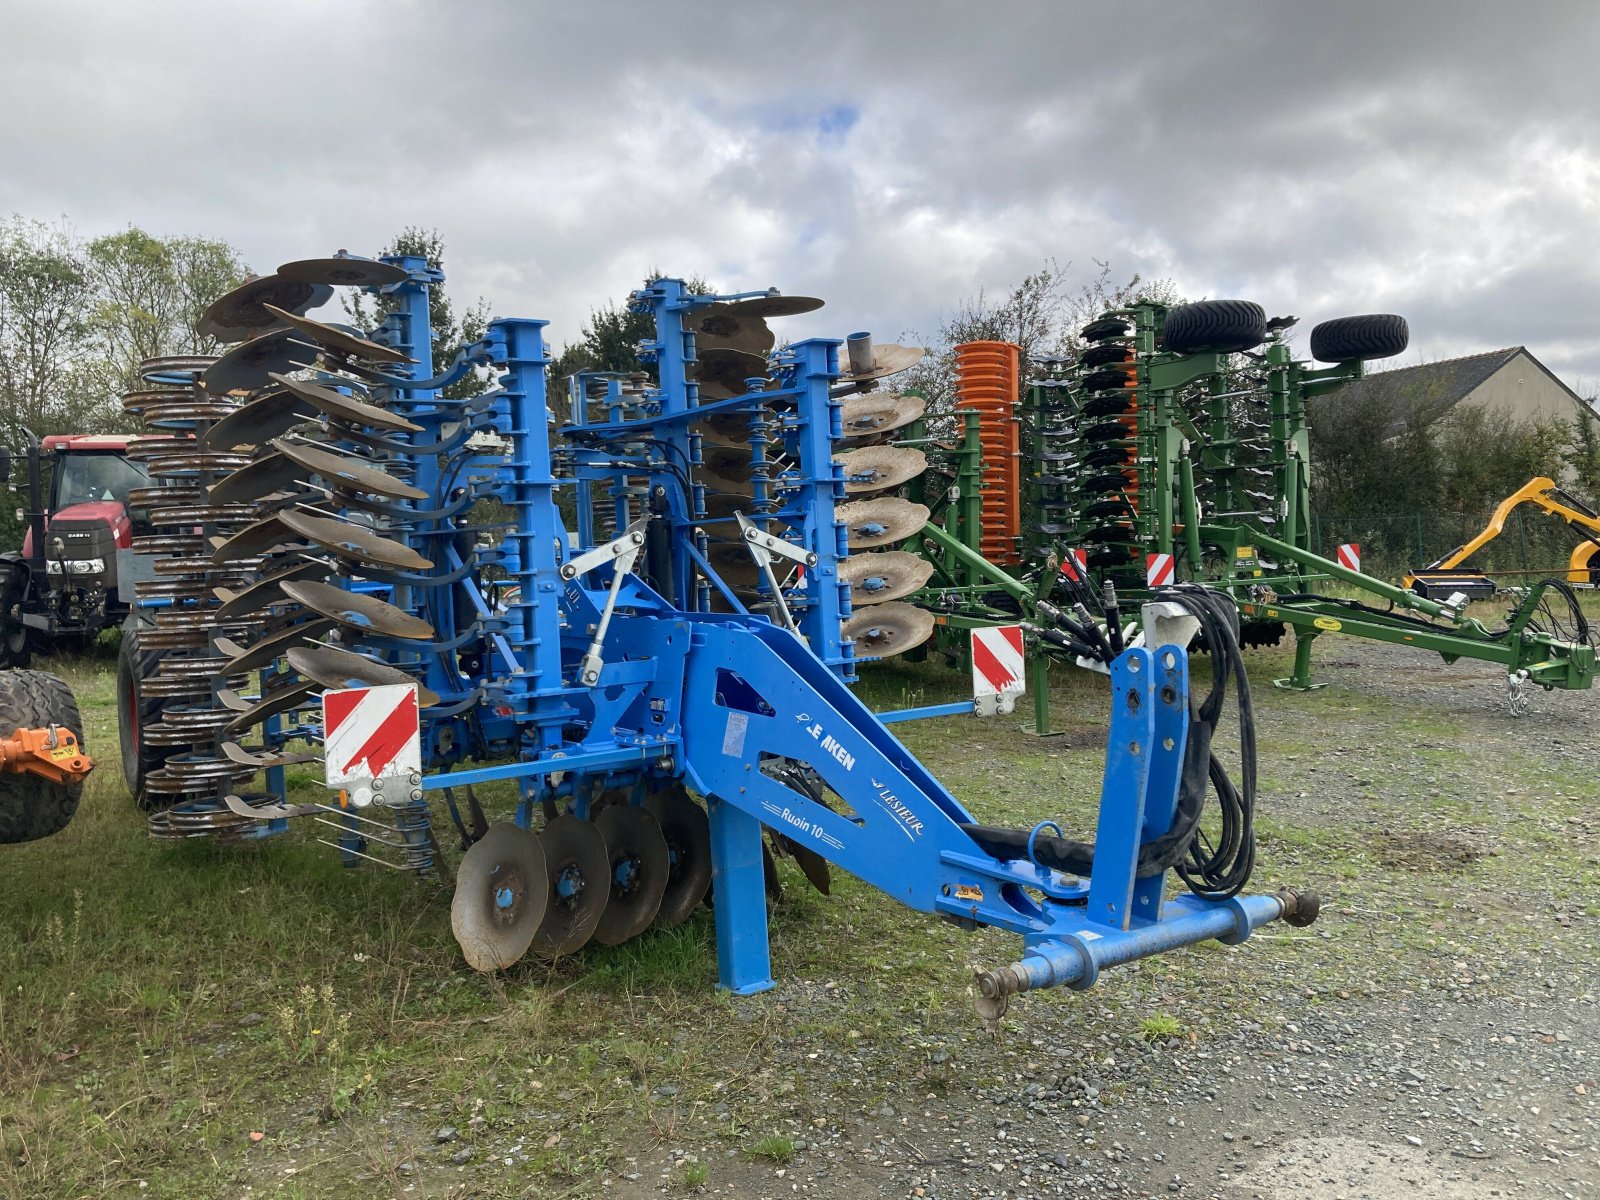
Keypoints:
pixel 733 735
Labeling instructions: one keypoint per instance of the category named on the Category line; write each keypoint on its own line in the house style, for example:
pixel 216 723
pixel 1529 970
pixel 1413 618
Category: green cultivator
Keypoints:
pixel 1174 446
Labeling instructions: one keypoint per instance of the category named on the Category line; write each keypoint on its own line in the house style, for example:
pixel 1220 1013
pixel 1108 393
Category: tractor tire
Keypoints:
pixel 30 807
pixel 16 643
pixel 1215 327
pixel 135 713
pixel 1345 339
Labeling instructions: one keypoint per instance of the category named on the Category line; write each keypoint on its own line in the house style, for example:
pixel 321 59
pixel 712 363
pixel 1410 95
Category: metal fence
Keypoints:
pixel 1532 543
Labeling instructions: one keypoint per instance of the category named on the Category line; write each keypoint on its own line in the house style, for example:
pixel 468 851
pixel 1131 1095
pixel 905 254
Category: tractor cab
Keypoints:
pixel 66 582
pixel 86 496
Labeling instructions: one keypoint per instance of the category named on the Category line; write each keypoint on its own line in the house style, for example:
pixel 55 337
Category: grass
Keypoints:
pixel 161 1006
pixel 694 1176
pixel 774 1146
pixel 1158 1027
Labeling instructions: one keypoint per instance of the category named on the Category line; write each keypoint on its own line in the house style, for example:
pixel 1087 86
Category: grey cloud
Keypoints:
pixel 1437 159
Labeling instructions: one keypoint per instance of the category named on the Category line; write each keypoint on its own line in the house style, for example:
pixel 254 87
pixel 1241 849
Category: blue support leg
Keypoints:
pixel 744 963
pixel 1166 768
pixel 1125 789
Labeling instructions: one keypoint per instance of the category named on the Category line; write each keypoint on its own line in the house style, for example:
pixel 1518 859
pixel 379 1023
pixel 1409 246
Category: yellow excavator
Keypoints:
pixel 1438 580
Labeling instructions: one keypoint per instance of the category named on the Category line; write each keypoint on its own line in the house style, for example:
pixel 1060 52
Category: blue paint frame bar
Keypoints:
pixel 957 709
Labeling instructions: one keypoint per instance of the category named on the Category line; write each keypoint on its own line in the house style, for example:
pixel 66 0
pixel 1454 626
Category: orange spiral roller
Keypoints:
pixel 988 382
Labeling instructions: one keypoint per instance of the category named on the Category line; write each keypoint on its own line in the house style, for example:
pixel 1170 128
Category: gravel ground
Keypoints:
pixel 1435 1037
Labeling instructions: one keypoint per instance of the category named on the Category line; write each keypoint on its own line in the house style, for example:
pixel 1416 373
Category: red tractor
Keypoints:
pixel 74 574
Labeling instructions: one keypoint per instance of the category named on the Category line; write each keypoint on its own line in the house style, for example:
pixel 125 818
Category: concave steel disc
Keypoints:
pixel 252 365
pixel 268 591
pixel 190 462
pixel 347 409
pixel 727 470
pixel 879 468
pixel 255 540
pixel 358 611
pixel 720 327
pixel 885 521
pixel 335 668
pixel 884 630
pixel 342 271
pixel 272 705
pixel 885 575
pixel 1108 456
pixel 268 649
pixel 501 897
pixel 330 337
pixel 687 831
pixel 731 429
pixel 640 865
pixel 242 313
pixel 732 561
pixel 159 446
pixel 269 474
pixel 1108 431
pixel 729 369
pixel 347 471
pixel 253 424
pixel 772 306
pixel 156 399
pixel 353 543
pixel 721 508
pixel 175 367
pixel 887 359
pixel 872 416
pixel 1109 481
pixel 578 889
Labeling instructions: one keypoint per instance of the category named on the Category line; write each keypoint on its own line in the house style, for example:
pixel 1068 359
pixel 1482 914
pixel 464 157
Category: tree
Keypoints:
pixel 1043 315
pixel 449 333
pixel 149 295
pixel 609 342
pixel 1583 457
pixel 45 307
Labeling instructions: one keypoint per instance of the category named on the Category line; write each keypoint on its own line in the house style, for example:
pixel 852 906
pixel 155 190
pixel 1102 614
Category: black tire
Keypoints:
pixel 1345 339
pixel 16 646
pixel 1215 327
pixel 136 712
pixel 31 807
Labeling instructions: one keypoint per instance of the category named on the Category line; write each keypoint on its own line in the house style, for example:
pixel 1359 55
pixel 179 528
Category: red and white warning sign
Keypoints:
pixel 1075 566
pixel 371 733
pixel 1158 570
pixel 1349 555
pixel 998 672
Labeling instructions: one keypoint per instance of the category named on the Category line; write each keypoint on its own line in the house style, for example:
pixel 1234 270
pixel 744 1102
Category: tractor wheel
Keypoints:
pixel 1379 335
pixel 31 807
pixel 16 646
pixel 1215 326
pixel 135 713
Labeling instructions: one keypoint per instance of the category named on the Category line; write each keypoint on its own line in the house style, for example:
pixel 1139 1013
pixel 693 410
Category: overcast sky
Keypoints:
pixel 1435 159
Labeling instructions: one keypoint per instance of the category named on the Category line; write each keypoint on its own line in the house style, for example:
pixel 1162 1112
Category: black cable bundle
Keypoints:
pixel 1217 871
pixel 1578 631
pixel 1213 871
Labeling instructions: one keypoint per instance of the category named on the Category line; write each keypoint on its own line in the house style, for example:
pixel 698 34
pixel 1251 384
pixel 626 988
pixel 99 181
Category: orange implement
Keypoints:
pixel 52 753
pixel 988 382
